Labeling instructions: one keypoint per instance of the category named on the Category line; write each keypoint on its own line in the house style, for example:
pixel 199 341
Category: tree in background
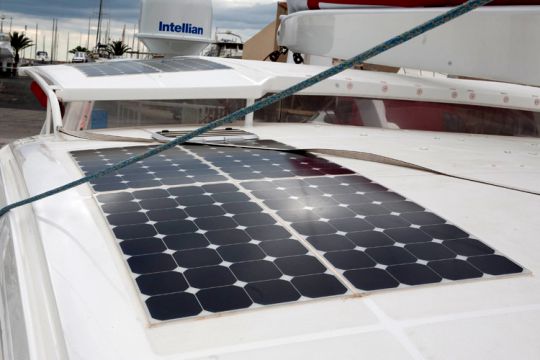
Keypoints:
pixel 118 48
pixel 79 48
pixel 18 43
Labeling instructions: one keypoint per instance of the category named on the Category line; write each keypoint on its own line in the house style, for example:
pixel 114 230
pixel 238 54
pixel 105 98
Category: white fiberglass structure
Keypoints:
pixel 173 27
pixel 496 42
pixel 373 215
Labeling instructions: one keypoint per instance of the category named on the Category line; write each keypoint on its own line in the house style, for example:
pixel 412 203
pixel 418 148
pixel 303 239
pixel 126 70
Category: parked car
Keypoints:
pixel 42 56
pixel 80 57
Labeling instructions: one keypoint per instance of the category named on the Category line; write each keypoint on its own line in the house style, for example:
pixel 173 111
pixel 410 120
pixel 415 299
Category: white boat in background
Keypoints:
pixel 226 44
pixel 42 56
pixel 292 234
pixel 6 52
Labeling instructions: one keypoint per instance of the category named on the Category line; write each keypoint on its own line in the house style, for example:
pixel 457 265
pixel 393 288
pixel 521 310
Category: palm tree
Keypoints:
pixel 118 48
pixel 18 43
pixel 79 48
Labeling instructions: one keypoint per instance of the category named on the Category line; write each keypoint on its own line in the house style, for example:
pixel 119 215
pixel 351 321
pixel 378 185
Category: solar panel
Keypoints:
pixel 208 229
pixel 244 164
pixel 375 237
pixel 137 67
pixel 173 167
pixel 209 248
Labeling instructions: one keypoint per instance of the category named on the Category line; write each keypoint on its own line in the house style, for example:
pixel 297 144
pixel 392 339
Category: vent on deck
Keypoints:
pixel 217 135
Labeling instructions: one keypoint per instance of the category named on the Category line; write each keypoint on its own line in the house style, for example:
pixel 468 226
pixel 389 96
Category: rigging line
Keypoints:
pixel 358 59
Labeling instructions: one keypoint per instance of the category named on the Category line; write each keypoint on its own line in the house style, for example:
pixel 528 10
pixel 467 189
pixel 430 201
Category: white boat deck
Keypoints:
pixel 100 315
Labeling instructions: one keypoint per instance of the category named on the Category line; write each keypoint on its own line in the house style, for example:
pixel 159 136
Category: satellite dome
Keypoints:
pixel 176 27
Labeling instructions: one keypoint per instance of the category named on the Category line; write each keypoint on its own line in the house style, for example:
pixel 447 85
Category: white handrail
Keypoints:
pixel 53 105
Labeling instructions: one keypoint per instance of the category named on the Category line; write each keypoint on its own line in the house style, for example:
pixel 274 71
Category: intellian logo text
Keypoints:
pixel 181 28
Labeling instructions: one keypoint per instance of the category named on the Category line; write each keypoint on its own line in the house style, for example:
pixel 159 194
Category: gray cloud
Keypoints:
pixel 253 16
pixel 117 9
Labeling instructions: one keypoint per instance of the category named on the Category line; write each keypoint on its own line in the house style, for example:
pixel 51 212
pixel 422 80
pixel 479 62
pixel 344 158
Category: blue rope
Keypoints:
pixel 358 59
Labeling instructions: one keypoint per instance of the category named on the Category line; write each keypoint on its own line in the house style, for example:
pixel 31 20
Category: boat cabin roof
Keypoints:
pixel 218 78
pixel 94 288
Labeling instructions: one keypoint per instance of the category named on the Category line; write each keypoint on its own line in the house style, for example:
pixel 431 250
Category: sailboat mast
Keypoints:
pixel 100 14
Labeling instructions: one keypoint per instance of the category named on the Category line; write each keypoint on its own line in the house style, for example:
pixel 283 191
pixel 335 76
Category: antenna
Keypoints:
pixel 175 27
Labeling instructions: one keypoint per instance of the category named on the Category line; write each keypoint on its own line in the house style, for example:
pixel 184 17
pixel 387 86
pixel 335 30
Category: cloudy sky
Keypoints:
pixel 244 17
